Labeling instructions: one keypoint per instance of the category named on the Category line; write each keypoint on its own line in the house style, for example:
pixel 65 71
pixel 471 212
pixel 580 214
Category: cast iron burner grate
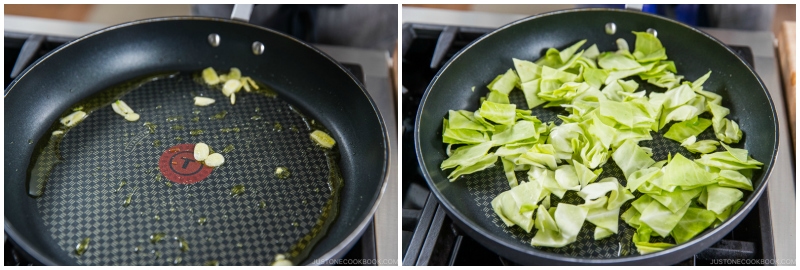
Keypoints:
pixel 431 238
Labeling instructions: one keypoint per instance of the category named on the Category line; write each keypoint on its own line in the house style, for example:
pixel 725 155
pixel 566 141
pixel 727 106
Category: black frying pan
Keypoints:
pixel 78 200
pixel 468 200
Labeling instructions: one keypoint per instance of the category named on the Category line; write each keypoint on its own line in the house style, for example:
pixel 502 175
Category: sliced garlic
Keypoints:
pixel 210 76
pixel 323 139
pixel 58 132
pixel 223 78
pixel 133 117
pixel 124 107
pixel 280 260
pixel 203 101
pixel 214 160
pixel 200 151
pixel 73 119
pixel 245 85
pixel 233 99
pixel 117 110
pixel 252 83
pixel 235 74
pixel 230 87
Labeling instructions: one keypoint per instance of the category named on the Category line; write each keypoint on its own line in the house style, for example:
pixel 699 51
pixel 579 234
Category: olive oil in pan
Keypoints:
pixel 121 184
pixel 228 148
pixel 46 154
pixel 157 237
pixel 183 245
pixel 150 126
pixel 81 247
pixel 237 190
pixel 219 116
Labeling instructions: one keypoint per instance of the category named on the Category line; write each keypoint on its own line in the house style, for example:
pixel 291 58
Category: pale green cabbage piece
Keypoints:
pixel 503 114
pixel 726 130
pixel 631 158
pixel 540 155
pixel 568 53
pixel 512 153
pixel 483 163
pixel 547 179
pixel 523 131
pixel 544 221
pixel 516 206
pixel 636 179
pixel 630 115
pixel 597 190
pixel 683 130
pixel 464 120
pixel 660 218
pixel 462 136
pixel 720 198
pixel 585 175
pixel 618 196
pixel 704 146
pixel 616 61
pixel 511 175
pixel 498 97
pixel 648 48
pixel 567 178
pixel 726 161
pixel 531 91
pixel 569 219
pixel 631 216
pixel 509 210
pixel 527 70
pixel 505 83
pixel 604 218
pixel 677 199
pixel 594 77
pixel 645 247
pixel 734 179
pixel 685 173
pixel 695 221
pixel 466 155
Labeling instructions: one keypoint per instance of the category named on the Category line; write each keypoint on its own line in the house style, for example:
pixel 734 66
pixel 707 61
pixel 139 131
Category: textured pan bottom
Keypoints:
pixel 272 216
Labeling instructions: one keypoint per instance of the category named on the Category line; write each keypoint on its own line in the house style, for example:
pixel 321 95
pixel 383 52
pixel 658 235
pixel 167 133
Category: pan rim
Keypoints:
pixel 484 234
pixel 337 250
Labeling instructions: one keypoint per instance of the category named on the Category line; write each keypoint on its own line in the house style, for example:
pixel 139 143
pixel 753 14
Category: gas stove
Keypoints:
pixel 429 235
pixel 28 39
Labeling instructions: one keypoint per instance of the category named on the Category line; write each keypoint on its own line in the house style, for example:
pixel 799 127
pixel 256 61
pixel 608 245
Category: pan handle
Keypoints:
pixel 638 7
pixel 242 12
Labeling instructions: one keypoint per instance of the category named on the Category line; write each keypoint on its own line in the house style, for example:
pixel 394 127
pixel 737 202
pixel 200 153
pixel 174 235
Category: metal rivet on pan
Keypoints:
pixel 258 48
pixel 652 31
pixel 213 39
pixel 611 28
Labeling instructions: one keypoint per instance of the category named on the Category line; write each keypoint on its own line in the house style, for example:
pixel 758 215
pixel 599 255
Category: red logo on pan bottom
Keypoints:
pixel 178 165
